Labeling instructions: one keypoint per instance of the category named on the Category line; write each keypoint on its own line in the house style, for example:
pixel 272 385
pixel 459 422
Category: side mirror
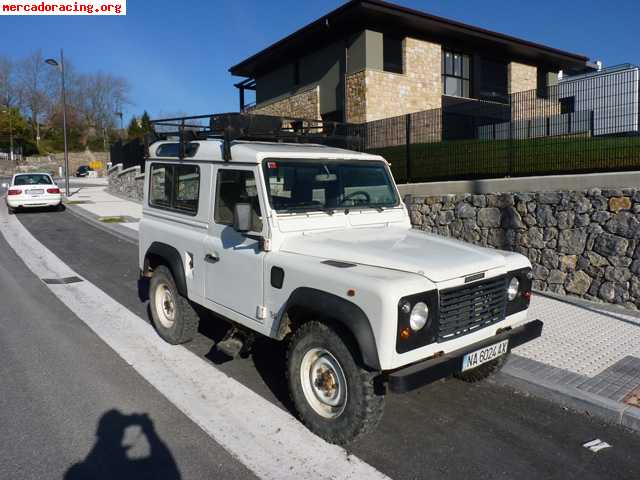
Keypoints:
pixel 242 217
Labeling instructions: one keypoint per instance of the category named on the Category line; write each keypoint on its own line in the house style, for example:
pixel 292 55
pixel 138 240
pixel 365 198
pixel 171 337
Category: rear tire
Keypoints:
pixel 11 210
pixel 334 397
pixel 483 371
pixel 173 315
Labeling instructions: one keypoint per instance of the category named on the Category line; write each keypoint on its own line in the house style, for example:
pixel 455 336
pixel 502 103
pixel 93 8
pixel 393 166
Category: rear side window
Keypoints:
pixel 175 187
pixel 33 179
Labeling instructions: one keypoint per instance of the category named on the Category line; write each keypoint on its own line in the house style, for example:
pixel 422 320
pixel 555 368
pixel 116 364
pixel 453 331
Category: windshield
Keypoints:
pixel 307 185
pixel 32 179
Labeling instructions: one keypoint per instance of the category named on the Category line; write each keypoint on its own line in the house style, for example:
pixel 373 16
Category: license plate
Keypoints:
pixel 484 355
pixel 36 192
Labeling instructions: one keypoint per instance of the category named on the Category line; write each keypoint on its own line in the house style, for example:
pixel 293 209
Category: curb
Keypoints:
pixel 608 410
pixel 123 233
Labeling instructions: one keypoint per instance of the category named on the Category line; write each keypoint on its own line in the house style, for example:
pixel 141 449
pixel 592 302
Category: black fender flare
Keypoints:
pixel 346 313
pixel 174 261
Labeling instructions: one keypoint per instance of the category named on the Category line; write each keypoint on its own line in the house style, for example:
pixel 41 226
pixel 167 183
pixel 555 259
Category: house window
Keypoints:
pixel 542 83
pixel 456 73
pixel 392 54
pixel 494 79
pixel 567 105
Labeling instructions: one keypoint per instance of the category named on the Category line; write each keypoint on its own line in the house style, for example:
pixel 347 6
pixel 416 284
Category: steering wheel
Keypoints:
pixel 367 197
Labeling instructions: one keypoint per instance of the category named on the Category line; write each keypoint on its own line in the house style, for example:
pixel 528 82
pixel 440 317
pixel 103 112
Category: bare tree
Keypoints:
pixel 37 87
pixel 7 82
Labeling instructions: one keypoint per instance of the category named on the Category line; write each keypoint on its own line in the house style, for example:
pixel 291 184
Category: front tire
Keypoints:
pixel 173 315
pixel 334 397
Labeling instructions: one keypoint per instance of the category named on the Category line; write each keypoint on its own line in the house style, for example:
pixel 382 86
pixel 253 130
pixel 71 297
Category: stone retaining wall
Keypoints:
pixel 128 183
pixel 581 243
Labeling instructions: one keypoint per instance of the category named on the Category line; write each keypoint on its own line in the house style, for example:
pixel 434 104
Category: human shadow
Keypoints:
pixel 127 447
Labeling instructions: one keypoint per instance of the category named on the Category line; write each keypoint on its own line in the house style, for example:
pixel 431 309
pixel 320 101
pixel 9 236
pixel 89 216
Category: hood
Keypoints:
pixel 437 258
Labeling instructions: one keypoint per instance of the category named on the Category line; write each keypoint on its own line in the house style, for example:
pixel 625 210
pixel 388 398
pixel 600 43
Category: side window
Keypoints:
pixel 175 187
pixel 187 188
pixel 161 185
pixel 236 186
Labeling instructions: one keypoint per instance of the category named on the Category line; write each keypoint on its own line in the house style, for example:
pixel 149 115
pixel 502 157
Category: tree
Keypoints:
pixel 8 92
pixel 135 129
pixel 36 88
pixel 145 123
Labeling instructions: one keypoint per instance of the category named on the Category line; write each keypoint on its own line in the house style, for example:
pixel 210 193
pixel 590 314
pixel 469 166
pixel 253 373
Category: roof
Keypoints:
pixel 255 152
pixel 357 15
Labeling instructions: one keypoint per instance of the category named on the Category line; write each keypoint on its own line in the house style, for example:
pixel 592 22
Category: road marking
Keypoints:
pixel 267 440
pixel 596 445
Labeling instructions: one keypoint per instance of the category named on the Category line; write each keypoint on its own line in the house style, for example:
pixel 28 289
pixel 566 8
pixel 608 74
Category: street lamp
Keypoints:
pixel 60 65
pixel 119 114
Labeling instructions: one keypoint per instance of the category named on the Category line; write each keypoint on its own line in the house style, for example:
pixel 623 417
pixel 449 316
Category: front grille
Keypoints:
pixel 471 307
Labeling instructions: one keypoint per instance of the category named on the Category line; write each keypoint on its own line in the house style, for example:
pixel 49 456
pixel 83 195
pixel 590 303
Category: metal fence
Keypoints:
pixel 584 124
pixel 129 154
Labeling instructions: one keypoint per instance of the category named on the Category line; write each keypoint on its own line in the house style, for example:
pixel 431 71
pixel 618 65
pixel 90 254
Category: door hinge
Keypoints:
pixel 261 312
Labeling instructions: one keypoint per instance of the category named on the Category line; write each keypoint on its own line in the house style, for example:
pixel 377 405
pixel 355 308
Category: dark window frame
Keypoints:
pixel 462 78
pixel 174 188
pixel 391 65
pixel 567 104
pixel 483 73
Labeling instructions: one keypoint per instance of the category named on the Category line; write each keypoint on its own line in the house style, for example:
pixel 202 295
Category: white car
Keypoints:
pixel 32 190
pixel 313 246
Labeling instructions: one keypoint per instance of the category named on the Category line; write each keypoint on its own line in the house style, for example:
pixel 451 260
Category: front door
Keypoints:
pixel 234 262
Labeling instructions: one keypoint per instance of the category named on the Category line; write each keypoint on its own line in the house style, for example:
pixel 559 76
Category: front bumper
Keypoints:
pixel 428 371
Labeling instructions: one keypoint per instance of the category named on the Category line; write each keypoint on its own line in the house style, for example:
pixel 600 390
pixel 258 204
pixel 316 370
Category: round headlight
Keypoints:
pixel 512 290
pixel 419 316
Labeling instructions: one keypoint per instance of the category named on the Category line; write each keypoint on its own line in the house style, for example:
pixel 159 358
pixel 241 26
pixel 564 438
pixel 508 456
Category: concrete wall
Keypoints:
pixel 581 243
pixel 52 163
pixel 322 67
pixel 549 183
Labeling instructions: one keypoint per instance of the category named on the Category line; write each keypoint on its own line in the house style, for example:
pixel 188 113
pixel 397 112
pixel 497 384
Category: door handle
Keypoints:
pixel 211 257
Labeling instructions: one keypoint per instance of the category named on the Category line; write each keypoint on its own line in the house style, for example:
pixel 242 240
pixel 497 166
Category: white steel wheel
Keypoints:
pixel 323 383
pixel 165 305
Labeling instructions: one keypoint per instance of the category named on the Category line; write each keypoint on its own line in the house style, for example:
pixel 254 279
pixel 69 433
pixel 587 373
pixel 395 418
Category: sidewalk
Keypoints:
pixel 588 358
pixel 106 211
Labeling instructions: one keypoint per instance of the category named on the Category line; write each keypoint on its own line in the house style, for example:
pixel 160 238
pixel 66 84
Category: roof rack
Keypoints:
pixel 246 126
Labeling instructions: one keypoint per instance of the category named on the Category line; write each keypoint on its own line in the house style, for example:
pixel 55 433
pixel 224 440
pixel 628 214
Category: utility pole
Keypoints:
pixel 60 65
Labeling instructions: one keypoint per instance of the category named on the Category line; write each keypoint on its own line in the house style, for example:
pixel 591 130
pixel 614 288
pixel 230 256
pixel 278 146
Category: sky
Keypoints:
pixel 176 54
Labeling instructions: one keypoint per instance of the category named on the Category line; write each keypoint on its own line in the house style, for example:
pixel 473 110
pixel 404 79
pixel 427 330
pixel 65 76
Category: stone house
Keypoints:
pixel 369 60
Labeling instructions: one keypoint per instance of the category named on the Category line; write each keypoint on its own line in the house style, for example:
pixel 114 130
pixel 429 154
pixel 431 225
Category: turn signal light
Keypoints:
pixel 53 190
pixel 14 192
pixel 405 333
pixel 526 295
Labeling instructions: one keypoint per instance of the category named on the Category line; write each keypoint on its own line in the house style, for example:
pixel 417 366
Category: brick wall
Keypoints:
pixel 302 104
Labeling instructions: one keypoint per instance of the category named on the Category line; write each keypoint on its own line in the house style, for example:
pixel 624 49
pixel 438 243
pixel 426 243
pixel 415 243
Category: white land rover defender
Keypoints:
pixel 312 245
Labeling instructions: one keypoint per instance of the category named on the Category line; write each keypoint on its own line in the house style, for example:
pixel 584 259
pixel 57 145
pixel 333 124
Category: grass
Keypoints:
pixel 114 219
pixel 499 158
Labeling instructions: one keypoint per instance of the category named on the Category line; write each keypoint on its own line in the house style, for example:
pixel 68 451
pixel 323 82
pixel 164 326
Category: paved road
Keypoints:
pixel 446 430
